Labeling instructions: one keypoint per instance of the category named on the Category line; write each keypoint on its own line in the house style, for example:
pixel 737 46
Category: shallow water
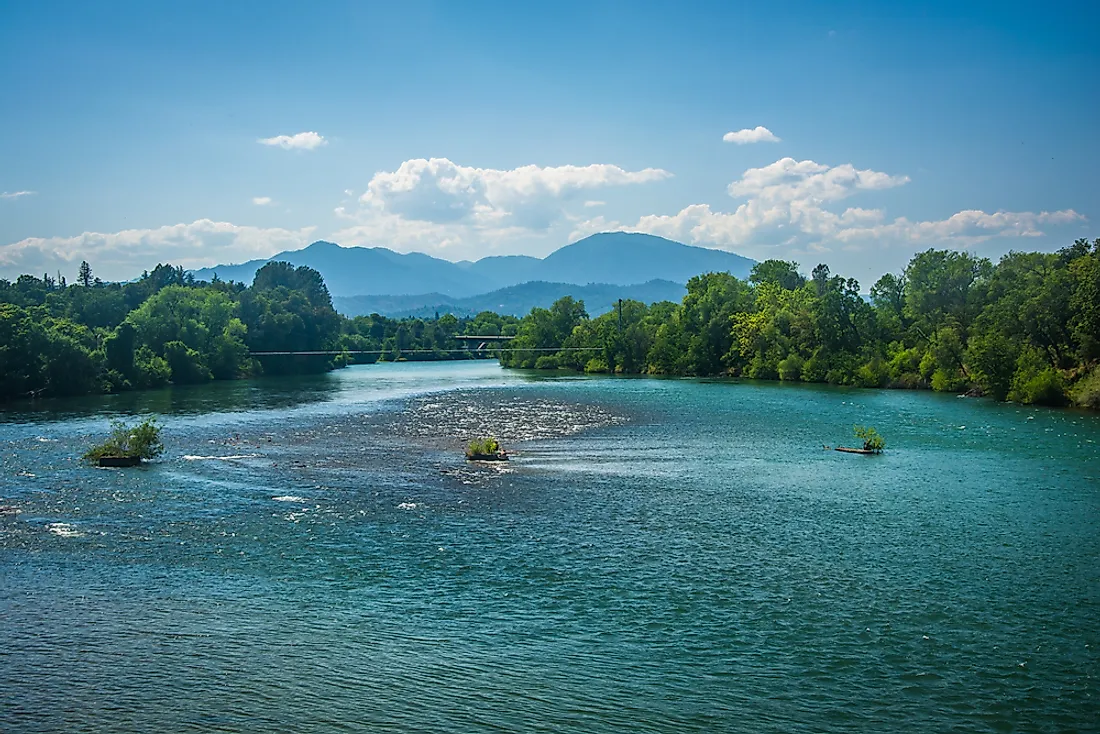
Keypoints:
pixel 313 555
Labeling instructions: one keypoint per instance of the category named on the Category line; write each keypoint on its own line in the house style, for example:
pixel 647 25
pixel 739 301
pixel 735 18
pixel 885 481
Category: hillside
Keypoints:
pixel 517 300
pixel 351 271
pixel 624 258
pixel 613 258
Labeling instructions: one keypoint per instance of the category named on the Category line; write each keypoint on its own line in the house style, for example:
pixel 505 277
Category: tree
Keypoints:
pixel 781 272
pixel 940 283
pixel 84 276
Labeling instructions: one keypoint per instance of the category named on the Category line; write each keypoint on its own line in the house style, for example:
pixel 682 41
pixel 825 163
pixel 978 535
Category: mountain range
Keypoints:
pixel 608 259
pixel 517 300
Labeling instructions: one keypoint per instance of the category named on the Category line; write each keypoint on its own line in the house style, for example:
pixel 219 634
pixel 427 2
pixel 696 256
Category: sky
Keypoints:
pixel 850 133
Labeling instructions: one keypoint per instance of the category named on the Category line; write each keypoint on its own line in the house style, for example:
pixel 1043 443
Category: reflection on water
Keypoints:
pixel 660 555
pixel 269 393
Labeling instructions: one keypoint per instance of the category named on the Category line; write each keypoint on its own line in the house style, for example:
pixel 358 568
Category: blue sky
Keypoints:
pixel 131 132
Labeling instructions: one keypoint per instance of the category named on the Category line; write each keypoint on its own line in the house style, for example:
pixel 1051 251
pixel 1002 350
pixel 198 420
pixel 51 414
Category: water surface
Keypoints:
pixel 313 555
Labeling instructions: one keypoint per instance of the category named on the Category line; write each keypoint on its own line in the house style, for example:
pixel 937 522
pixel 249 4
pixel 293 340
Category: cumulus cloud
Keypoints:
pixel 531 197
pixel 16 194
pixel 784 205
pixel 758 134
pixel 262 200
pixel 788 180
pixel 299 141
pixel 124 255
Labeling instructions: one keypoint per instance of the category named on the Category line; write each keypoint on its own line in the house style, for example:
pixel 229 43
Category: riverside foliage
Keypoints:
pixel 1025 329
pixel 166 327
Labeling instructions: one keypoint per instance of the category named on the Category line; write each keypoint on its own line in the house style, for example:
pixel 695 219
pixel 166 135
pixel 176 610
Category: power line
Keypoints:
pixel 421 351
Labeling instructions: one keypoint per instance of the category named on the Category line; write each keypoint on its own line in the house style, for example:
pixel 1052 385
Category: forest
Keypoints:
pixel 1026 329
pixel 165 327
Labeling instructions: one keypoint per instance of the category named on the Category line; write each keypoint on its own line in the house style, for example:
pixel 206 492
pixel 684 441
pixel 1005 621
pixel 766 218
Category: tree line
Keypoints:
pixel 165 327
pixel 1025 329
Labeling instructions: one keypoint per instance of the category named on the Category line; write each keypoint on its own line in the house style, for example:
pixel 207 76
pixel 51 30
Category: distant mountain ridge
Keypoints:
pixel 517 300
pixel 609 258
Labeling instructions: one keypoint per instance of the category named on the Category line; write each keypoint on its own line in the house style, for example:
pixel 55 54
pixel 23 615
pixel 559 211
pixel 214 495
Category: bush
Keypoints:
pixel 947 380
pixel 114 381
pixel 483 447
pixel 791 367
pixel 873 374
pixel 596 365
pixel 909 381
pixel 991 358
pixel 1036 381
pixel 151 370
pixel 762 367
pixel 547 362
pixel 187 365
pixel 871 439
pixel 140 442
pixel 814 369
pixel 927 365
pixel 905 363
pixel 1086 392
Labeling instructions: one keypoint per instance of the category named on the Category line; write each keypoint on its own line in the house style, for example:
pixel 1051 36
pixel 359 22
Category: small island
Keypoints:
pixel 873 443
pixel 485 449
pixel 127 446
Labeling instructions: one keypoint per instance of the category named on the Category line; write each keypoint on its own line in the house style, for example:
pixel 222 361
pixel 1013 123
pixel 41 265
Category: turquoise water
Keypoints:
pixel 313 555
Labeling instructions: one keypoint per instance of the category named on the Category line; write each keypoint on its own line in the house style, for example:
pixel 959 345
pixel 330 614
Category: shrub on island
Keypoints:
pixel 485 449
pixel 127 446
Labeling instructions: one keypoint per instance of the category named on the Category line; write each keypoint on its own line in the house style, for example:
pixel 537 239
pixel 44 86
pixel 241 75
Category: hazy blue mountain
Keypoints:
pixel 350 271
pixel 506 269
pixel 615 258
pixel 625 257
pixel 517 299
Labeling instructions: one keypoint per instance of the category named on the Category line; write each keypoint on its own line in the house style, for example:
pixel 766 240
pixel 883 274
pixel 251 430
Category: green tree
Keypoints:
pixel 781 272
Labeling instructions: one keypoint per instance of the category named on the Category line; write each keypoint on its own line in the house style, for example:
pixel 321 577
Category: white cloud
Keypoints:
pixel 299 141
pixel 438 206
pixel 964 228
pixel 784 210
pixel 123 255
pixel 262 200
pixel 531 197
pixel 16 194
pixel 758 134
pixel 590 204
pixel 788 180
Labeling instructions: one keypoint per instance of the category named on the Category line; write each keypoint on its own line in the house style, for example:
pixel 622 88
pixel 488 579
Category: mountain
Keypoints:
pixel 623 258
pixel 505 269
pixel 517 300
pixel 352 271
pixel 611 258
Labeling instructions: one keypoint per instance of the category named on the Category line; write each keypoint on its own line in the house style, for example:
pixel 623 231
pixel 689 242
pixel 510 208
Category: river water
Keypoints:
pixel 313 555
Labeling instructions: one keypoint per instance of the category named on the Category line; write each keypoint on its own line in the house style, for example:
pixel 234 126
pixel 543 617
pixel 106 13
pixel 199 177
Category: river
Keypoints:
pixel 313 555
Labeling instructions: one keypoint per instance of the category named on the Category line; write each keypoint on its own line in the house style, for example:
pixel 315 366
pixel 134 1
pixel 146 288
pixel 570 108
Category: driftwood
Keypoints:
pixel 118 460
pixel 499 456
